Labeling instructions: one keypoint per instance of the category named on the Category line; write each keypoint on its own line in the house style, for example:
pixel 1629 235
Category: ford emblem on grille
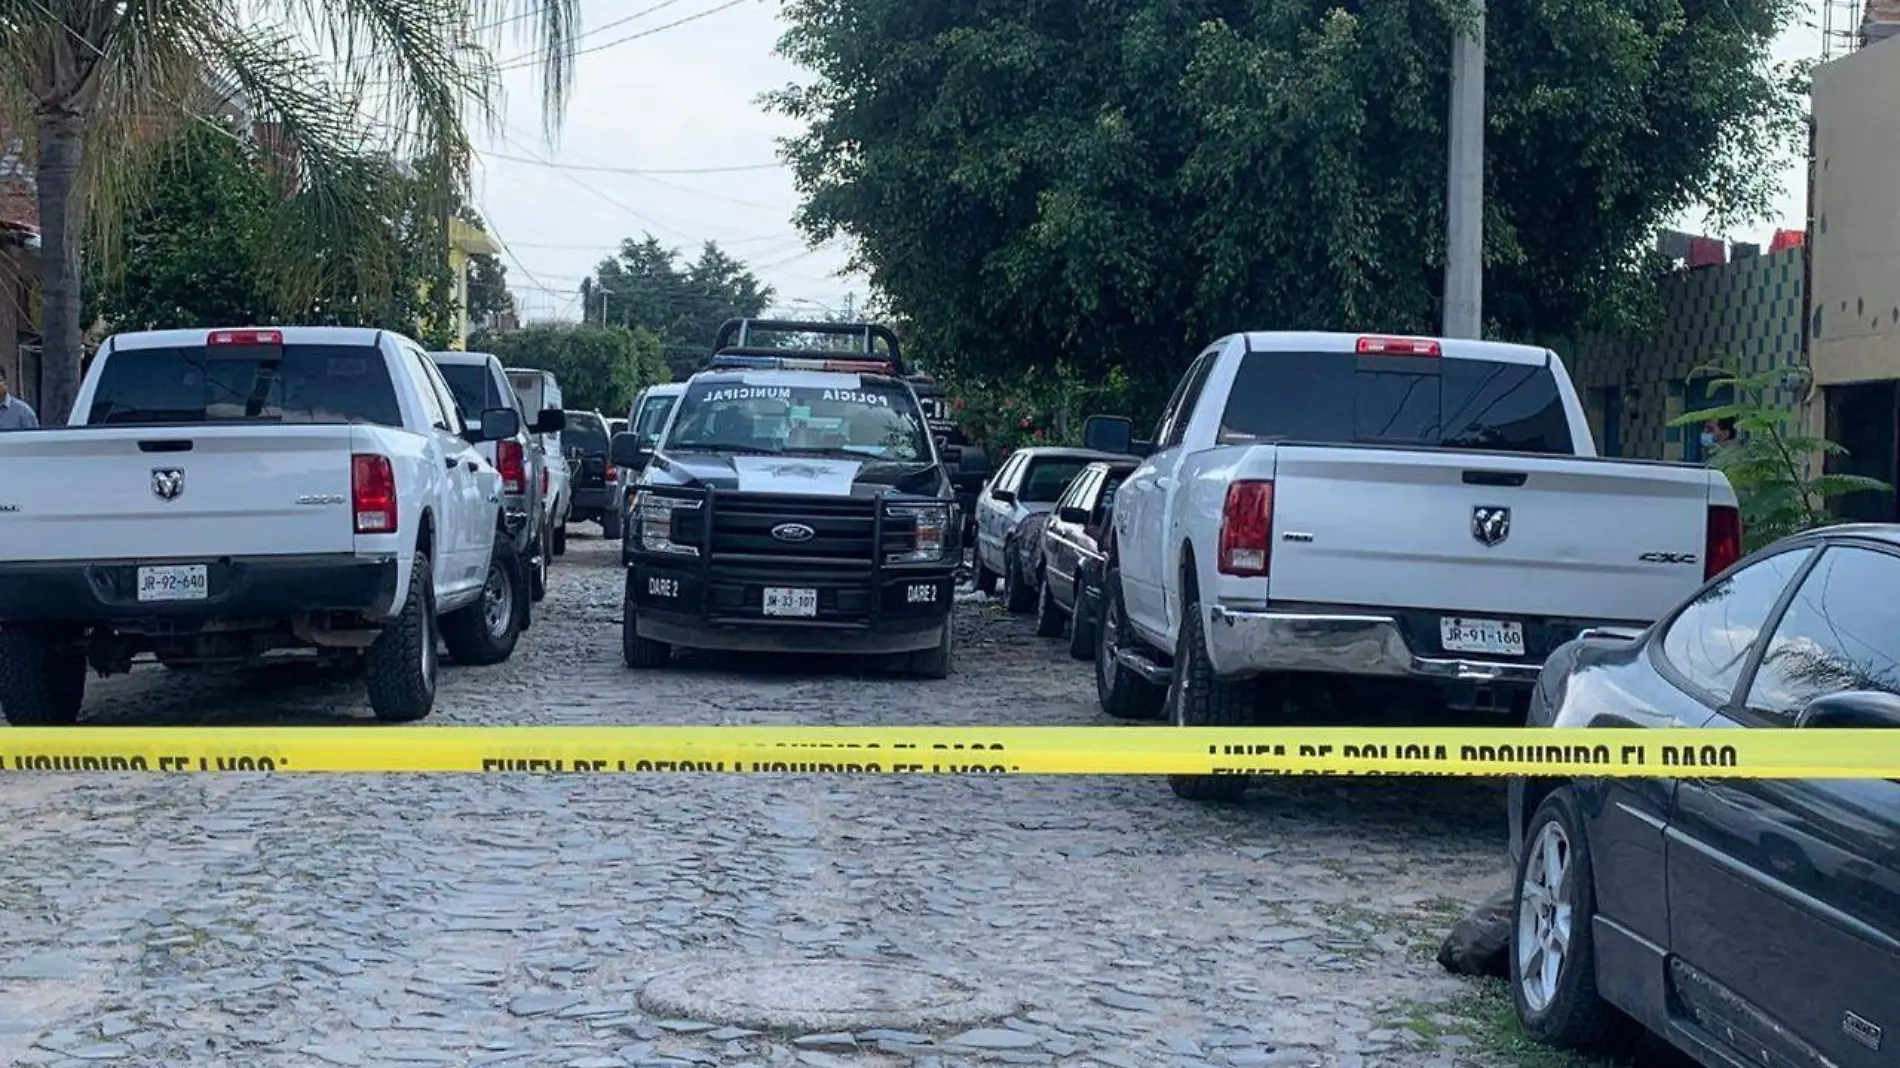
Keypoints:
pixel 796 533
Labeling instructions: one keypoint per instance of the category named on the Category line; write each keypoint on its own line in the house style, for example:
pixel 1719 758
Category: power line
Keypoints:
pixel 535 61
pixel 637 171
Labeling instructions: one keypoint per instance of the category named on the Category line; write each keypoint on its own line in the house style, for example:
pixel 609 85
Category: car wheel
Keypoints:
pixel 560 538
pixel 1081 628
pixel 42 677
pixel 936 663
pixel 486 631
pixel 1121 693
pixel 642 654
pixel 983 578
pixel 401 666
pixel 610 524
pixel 1049 617
pixel 1199 698
pixel 1553 944
pixel 1018 597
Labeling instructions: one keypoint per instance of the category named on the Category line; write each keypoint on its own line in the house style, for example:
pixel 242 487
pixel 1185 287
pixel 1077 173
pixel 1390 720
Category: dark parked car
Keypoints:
pixel 594 476
pixel 1073 548
pixel 1748 922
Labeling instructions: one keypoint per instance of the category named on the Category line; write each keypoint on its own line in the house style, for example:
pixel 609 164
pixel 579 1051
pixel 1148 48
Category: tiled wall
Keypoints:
pixel 1748 309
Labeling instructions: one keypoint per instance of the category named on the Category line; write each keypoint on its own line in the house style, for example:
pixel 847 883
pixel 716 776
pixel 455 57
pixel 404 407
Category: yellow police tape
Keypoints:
pixel 1456 751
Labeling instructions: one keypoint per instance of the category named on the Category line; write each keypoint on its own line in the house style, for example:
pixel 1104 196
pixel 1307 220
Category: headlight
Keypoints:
pixel 652 517
pixel 931 523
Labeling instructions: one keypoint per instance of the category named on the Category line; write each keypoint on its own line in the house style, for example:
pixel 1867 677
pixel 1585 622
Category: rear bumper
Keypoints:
pixel 1242 643
pixel 590 499
pixel 257 587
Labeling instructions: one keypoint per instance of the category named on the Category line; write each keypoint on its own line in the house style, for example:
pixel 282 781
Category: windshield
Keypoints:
pixel 1344 398
pixel 585 434
pixel 288 384
pixel 473 386
pixel 652 419
pixel 759 414
pixel 1048 479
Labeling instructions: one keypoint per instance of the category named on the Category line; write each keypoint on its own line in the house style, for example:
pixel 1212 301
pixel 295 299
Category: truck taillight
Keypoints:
pixel 1724 544
pixel 544 482
pixel 1246 529
pixel 610 472
pixel 1399 346
pixel 512 462
pixel 373 493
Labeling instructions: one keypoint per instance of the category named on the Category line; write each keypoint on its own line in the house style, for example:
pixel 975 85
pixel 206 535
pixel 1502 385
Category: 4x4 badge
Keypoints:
pixel 1490 523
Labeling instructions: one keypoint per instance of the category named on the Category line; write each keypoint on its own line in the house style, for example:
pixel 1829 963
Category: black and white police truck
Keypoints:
pixel 794 503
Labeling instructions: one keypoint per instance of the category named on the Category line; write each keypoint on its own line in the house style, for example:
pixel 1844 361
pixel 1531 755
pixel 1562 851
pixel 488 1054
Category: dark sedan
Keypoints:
pixel 1748 922
pixel 1072 553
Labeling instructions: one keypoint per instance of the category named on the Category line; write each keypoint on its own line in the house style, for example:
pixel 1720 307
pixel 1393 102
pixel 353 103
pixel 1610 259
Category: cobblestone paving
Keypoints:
pixel 408 920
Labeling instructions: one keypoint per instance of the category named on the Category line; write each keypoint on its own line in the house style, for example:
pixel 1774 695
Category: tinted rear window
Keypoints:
pixel 1047 479
pixel 1344 398
pixel 473 386
pixel 588 435
pixel 292 384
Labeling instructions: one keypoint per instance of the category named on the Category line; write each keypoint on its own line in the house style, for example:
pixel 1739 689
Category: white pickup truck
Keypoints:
pixel 1379 524
pixel 220 495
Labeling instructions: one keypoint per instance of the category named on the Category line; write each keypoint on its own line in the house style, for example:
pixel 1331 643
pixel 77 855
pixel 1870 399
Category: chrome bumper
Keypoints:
pixel 1250 643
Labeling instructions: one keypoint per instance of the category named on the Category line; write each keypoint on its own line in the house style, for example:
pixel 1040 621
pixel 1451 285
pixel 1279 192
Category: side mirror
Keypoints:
pixel 951 455
pixel 1071 514
pixel 1855 708
pixel 1006 496
pixel 550 421
pixel 1108 433
pixel 972 463
pixel 497 424
pixel 626 451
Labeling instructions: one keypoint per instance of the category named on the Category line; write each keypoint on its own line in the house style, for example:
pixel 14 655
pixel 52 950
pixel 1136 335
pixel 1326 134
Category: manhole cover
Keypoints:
pixel 821 995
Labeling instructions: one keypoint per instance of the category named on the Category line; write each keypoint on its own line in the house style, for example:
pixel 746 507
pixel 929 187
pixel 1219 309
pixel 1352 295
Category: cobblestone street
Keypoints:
pixel 411 920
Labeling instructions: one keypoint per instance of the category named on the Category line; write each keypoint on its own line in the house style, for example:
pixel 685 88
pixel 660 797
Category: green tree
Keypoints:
pixel 203 245
pixel 600 368
pixel 647 286
pixel 1112 185
pixel 1771 463
pixel 94 86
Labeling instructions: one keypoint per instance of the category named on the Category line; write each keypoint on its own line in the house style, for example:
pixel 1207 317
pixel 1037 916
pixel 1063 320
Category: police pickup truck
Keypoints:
pixel 795 503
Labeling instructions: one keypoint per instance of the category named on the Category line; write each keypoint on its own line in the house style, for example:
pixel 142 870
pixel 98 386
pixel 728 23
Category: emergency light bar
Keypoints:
pixel 725 361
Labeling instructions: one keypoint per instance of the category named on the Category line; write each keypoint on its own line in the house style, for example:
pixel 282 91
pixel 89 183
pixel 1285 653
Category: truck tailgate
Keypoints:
pixel 151 492
pixel 1400 529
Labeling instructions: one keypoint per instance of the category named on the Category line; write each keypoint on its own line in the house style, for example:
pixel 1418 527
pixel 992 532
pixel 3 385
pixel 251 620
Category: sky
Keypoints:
pixel 664 135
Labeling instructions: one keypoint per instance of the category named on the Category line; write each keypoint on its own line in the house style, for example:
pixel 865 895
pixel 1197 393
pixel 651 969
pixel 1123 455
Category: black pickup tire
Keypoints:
pixel 400 668
pixel 936 663
pixel 1199 698
pixel 42 677
pixel 610 523
pixel 1121 693
pixel 641 654
pixel 538 570
pixel 487 631
pixel 560 539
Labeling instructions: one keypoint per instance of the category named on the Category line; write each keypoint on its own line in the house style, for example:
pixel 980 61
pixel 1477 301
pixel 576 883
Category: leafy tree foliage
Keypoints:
pixel 488 295
pixel 1112 184
pixel 647 286
pixel 204 245
pixel 600 368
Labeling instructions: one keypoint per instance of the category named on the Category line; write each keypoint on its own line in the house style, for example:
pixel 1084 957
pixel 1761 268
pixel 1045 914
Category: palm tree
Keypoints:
pixel 95 85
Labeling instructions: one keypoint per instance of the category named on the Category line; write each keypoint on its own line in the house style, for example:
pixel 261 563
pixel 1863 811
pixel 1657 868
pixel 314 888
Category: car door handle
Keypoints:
pixel 450 462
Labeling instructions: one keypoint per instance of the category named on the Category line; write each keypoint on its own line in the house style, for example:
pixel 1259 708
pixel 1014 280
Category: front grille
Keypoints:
pixel 844 528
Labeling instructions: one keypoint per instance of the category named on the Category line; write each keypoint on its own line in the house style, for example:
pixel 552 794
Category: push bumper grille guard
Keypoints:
pixel 837 578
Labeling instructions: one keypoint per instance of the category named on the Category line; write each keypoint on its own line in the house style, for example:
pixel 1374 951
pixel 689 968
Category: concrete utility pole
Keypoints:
pixel 1464 186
